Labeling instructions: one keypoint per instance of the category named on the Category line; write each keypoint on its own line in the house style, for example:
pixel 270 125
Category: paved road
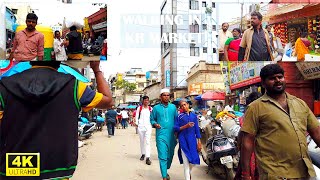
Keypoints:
pixel 117 158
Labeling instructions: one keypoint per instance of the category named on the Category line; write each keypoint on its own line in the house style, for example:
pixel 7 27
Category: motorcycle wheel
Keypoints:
pixel 87 136
pixel 229 173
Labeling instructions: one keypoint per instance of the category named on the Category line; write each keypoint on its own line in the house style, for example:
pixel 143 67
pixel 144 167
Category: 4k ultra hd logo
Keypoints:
pixel 23 164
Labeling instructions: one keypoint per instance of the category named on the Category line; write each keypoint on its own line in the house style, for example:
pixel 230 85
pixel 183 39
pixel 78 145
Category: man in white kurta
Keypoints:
pixel 58 46
pixel 144 128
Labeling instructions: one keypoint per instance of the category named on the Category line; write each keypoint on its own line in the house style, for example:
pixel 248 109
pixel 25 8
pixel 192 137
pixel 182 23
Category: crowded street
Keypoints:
pixel 118 158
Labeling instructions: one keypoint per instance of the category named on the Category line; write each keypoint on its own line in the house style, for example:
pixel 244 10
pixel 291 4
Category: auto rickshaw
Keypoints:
pixel 48 39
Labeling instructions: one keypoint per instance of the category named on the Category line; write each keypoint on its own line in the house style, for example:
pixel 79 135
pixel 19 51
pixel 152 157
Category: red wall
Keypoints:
pixel 296 85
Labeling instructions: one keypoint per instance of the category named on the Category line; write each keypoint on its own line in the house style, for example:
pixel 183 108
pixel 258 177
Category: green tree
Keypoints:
pixel 127 86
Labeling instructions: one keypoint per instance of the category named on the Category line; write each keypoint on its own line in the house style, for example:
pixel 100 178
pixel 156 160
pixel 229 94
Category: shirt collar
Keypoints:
pixel 265 97
pixel 33 33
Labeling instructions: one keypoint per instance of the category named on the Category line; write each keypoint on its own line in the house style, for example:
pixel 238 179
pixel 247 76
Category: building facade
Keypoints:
pixel 204 77
pixel 178 58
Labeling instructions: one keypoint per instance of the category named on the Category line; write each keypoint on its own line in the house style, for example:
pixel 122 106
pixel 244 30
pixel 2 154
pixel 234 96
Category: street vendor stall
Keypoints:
pixel 297 76
pixel 289 21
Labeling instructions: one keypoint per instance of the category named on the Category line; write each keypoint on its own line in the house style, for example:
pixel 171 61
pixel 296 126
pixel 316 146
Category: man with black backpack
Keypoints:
pixel 144 128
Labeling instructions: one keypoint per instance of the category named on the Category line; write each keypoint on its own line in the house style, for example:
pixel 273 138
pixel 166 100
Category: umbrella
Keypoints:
pixel 22 66
pixel 131 107
pixel 213 95
pixel 176 102
pixel 198 98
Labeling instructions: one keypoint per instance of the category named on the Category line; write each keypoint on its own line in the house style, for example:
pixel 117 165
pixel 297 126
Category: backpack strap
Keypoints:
pixel 139 112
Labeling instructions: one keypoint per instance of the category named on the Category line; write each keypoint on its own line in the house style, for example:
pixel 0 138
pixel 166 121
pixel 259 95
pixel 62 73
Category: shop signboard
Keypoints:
pixel 309 70
pixel 100 25
pixel 195 89
pixel 246 73
pixel 167 78
pixel 225 69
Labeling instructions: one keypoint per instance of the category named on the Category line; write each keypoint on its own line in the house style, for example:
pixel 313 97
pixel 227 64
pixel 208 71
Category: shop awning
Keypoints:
pixel 291 11
pixel 309 70
pixel 99 30
pixel 284 8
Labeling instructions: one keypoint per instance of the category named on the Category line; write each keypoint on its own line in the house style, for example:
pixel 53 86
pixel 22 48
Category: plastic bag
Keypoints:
pixel 74 23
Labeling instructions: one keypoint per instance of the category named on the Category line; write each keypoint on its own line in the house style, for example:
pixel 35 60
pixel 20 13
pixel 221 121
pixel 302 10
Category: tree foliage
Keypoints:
pixel 127 86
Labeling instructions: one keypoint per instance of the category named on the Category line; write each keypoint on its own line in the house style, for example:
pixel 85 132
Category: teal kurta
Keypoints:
pixel 166 141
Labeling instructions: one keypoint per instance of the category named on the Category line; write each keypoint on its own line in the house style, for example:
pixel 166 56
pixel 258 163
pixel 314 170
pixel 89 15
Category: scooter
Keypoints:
pixel 218 151
pixel 85 128
pixel 99 122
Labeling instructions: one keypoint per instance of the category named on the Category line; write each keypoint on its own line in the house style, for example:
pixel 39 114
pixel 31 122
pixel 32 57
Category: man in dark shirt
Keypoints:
pixel 74 44
pixel 111 119
pixel 255 43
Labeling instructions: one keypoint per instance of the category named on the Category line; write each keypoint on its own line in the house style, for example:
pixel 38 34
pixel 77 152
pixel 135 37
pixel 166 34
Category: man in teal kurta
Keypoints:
pixel 162 118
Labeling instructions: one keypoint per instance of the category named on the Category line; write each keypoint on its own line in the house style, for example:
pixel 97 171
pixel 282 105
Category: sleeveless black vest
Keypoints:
pixel 40 115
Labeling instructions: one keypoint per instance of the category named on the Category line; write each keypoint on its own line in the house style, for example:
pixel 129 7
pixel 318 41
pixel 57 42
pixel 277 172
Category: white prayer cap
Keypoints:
pixel 165 90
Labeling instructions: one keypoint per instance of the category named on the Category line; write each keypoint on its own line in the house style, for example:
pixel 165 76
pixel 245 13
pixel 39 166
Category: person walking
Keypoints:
pixel 58 46
pixel 111 120
pixel 28 44
pixel 223 35
pixel 163 118
pixel 144 128
pixel 49 103
pixel 255 42
pixel 275 126
pixel 119 119
pixel 125 118
pixel 188 132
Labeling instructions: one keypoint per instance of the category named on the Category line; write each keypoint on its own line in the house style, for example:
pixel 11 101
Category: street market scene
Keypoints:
pixel 222 95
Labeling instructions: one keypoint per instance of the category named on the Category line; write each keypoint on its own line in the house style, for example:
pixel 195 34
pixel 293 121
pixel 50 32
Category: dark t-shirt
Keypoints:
pixel 111 116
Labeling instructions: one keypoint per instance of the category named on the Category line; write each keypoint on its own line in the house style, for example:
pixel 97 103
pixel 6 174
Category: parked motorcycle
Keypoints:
pixel 85 128
pixel 95 48
pixel 218 151
pixel 99 122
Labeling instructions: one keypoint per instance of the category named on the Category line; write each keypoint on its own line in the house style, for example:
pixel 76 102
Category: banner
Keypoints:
pixel 195 89
pixel 309 70
pixel 246 73
pixel 225 69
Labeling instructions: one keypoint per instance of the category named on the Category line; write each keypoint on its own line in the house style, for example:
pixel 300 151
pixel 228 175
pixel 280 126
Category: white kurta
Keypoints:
pixel 59 51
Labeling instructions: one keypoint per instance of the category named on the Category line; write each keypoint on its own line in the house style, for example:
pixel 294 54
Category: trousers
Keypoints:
pixel 187 166
pixel 145 137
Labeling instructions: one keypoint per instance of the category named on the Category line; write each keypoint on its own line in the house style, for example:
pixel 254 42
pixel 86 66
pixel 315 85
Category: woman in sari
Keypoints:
pixel 302 46
pixel 232 45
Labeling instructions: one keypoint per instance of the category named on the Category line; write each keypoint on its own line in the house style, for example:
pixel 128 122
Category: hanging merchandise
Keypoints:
pixel 318 29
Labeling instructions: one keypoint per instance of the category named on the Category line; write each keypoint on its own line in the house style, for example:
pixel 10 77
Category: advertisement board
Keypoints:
pixel 246 73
